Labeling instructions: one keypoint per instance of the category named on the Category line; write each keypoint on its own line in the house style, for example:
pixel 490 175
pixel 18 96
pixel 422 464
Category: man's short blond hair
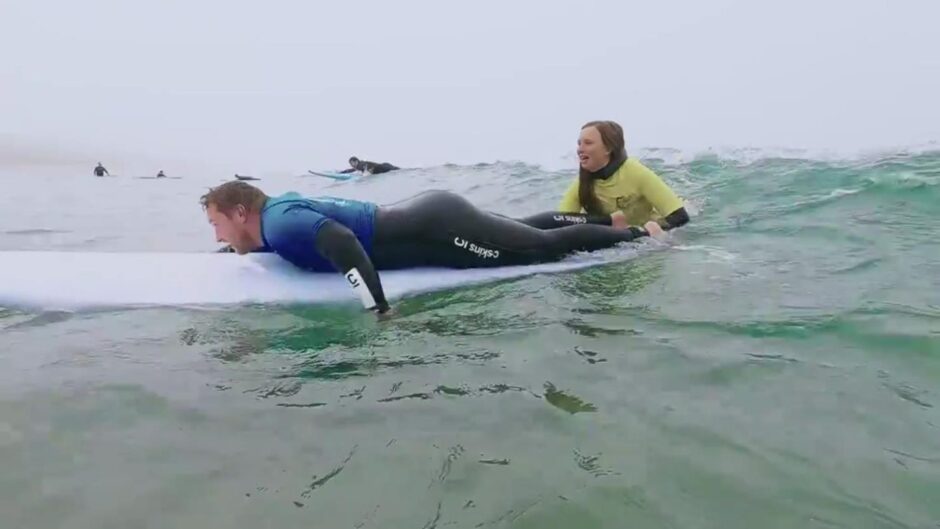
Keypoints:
pixel 229 195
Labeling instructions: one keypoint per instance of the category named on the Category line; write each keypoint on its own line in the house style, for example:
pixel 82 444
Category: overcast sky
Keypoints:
pixel 290 85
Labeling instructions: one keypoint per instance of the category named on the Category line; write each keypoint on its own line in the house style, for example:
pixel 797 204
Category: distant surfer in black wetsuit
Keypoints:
pixel 160 174
pixel 101 171
pixel 366 167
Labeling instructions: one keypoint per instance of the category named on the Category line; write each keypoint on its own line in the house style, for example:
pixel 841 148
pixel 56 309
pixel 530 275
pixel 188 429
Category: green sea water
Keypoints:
pixel 776 366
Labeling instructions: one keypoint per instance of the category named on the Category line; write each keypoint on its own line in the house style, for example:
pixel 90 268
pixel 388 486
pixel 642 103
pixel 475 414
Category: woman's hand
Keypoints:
pixel 618 220
pixel 655 230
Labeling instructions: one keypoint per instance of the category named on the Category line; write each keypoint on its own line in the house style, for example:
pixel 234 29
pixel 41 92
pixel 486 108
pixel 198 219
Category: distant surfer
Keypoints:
pixel 242 177
pixel 101 171
pixel 160 174
pixel 366 167
pixel 434 228
pixel 612 189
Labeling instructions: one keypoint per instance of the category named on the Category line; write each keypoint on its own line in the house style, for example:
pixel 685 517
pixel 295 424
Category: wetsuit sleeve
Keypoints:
pixel 339 245
pixel 570 201
pixel 659 194
pixel 345 171
pixel 675 219
pixel 301 231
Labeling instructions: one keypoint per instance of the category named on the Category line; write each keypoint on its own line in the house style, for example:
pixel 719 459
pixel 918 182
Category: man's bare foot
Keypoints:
pixel 618 220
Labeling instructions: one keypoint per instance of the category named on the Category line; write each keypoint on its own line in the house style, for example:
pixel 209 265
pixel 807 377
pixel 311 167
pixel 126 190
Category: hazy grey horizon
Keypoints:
pixel 287 86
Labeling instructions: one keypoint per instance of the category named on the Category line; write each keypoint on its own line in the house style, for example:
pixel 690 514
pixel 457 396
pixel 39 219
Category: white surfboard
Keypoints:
pixel 335 175
pixel 82 280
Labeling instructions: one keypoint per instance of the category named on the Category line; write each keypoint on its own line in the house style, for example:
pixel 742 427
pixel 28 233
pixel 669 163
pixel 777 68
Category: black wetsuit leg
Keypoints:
pixel 380 168
pixel 557 219
pixel 439 228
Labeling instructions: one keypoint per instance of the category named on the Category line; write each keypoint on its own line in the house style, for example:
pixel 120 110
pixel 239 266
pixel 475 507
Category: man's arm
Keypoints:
pixel 339 245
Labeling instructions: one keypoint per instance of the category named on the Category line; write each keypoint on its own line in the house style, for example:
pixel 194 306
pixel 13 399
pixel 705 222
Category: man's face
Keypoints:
pixel 231 228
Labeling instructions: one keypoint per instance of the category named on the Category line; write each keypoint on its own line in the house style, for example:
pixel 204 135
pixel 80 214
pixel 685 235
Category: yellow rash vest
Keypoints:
pixel 633 189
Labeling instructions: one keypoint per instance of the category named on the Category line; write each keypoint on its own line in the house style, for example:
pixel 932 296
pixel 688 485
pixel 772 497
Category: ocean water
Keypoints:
pixel 777 365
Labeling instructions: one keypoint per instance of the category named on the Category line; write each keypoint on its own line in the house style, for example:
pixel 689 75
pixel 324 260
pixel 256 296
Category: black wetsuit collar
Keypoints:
pixel 612 167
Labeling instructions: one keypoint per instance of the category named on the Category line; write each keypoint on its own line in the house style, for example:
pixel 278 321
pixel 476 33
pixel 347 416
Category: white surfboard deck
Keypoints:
pixel 50 280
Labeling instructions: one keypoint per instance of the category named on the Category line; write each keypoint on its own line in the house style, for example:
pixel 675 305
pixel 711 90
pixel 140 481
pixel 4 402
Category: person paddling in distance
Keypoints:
pixel 357 239
pixel 368 168
pixel 613 189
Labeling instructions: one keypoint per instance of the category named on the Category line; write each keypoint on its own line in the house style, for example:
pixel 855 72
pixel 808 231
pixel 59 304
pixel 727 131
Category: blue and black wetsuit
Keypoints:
pixel 433 229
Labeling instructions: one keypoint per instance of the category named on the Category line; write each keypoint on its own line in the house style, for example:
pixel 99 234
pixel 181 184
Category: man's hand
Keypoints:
pixel 385 315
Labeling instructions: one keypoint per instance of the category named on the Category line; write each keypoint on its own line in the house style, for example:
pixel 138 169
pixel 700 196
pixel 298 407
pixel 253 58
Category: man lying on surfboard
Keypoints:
pixel 434 228
pixel 366 167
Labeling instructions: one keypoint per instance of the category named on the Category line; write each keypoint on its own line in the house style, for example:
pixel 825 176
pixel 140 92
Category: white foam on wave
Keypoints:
pixel 672 156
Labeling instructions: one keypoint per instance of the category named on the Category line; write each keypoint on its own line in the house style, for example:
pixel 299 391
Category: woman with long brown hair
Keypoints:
pixel 613 188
